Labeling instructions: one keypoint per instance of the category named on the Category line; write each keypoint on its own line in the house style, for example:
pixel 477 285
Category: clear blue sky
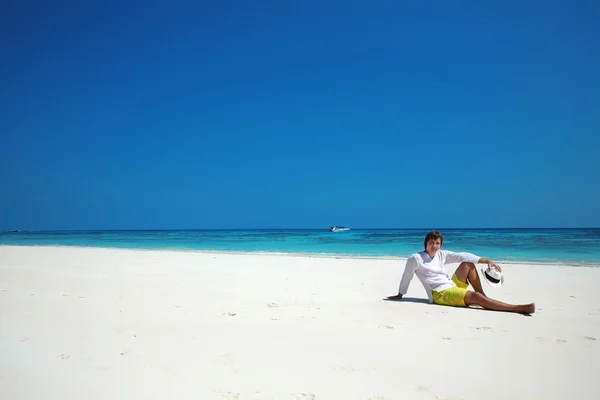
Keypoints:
pixel 299 114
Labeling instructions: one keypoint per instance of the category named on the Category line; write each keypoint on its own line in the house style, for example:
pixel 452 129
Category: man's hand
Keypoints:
pixel 396 297
pixel 492 264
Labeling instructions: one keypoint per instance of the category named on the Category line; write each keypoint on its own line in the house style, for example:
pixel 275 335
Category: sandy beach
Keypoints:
pixel 83 323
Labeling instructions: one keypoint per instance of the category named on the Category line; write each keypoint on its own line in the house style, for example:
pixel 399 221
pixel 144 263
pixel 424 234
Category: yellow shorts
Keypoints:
pixel 454 296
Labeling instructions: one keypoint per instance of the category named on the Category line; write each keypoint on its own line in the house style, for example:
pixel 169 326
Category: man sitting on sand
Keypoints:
pixel 429 266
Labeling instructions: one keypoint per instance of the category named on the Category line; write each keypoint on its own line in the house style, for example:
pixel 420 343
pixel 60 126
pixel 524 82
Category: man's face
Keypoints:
pixel 433 245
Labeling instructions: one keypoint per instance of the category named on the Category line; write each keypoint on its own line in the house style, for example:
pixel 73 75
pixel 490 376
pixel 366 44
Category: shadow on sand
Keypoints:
pixel 426 301
pixel 409 300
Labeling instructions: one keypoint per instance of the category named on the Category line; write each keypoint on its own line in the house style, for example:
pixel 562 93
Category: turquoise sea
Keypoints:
pixel 569 246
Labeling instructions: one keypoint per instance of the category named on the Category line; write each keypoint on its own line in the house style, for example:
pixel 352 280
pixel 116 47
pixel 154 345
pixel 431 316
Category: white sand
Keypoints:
pixel 118 324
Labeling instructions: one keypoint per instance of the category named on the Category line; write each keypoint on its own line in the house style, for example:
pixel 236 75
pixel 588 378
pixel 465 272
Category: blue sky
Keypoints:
pixel 299 114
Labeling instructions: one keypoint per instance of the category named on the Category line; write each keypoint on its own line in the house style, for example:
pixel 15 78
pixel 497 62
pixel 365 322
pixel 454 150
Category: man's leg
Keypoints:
pixel 467 273
pixel 490 304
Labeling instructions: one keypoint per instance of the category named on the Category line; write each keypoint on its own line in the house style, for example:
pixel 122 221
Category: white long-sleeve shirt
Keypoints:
pixel 432 272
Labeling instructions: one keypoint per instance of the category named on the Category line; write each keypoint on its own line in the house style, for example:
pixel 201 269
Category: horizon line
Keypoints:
pixel 280 228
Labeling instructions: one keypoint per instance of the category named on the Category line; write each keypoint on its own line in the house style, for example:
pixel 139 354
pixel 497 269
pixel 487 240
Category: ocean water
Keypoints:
pixel 569 246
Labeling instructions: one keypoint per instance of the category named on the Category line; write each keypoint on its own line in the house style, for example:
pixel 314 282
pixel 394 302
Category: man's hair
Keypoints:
pixel 433 235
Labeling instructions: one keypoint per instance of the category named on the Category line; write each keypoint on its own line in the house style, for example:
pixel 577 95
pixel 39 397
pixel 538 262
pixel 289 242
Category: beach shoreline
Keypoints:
pixel 577 246
pixel 103 323
pixel 555 263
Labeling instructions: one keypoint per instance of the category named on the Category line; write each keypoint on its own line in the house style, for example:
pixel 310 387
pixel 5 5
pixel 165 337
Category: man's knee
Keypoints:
pixel 467 265
pixel 473 298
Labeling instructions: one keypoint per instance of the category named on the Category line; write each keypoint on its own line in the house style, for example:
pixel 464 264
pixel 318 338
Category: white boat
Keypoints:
pixel 338 229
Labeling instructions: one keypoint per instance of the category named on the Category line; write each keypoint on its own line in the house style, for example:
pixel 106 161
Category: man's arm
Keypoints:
pixel 490 263
pixel 409 272
pixel 452 257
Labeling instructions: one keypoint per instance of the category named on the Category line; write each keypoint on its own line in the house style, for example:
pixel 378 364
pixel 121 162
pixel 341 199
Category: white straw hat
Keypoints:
pixel 492 276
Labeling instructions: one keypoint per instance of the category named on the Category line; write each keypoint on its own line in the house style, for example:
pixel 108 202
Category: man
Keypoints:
pixel 429 266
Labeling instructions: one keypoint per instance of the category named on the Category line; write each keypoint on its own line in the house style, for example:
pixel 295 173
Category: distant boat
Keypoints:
pixel 338 229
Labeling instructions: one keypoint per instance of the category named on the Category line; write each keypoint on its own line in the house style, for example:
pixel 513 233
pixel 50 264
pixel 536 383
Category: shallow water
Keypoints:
pixel 570 246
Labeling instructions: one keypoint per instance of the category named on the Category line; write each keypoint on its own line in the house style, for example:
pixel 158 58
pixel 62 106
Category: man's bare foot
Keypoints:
pixel 528 308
